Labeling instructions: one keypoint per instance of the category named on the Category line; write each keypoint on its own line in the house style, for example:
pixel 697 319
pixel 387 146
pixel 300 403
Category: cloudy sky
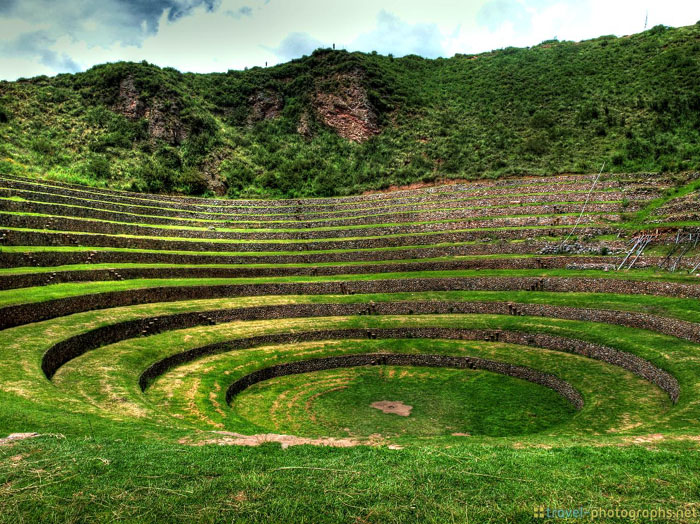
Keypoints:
pixel 55 36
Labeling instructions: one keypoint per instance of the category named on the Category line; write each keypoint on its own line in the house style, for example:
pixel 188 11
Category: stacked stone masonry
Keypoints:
pixel 20 314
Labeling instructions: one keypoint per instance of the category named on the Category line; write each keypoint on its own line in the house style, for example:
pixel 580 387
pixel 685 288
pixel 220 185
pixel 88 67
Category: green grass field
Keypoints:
pixel 338 403
pixel 135 423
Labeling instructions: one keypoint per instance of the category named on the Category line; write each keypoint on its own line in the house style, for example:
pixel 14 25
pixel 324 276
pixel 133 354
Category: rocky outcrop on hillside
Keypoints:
pixel 304 125
pixel 211 172
pixel 265 105
pixel 347 108
pixel 163 117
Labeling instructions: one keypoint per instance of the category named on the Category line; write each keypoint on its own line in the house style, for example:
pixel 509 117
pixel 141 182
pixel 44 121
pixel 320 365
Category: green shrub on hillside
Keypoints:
pixel 98 167
pixel 192 182
pixel 152 177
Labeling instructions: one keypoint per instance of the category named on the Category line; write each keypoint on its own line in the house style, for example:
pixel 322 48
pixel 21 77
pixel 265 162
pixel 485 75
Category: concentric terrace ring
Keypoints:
pixel 548 380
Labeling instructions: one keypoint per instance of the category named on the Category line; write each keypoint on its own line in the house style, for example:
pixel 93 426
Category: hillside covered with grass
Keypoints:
pixel 336 123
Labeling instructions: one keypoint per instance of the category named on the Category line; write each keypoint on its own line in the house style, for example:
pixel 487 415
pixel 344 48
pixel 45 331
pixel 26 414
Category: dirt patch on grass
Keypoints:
pixel 193 408
pixel 225 438
pixel 213 395
pixel 646 439
pixel 649 441
pixel 14 437
pixel 393 406
pixel 626 424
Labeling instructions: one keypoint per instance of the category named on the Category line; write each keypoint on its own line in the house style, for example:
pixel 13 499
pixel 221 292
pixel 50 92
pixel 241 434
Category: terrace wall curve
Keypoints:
pixel 30 279
pixel 13 237
pixel 640 367
pixel 471 189
pixel 455 223
pixel 70 348
pixel 26 313
pixel 547 380
pixel 498 207
pixel 97 256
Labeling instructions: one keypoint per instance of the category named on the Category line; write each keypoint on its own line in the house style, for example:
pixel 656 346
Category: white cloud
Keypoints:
pixel 225 43
pixel 393 35
pixel 296 45
pixel 189 35
pixel 23 68
pixel 571 20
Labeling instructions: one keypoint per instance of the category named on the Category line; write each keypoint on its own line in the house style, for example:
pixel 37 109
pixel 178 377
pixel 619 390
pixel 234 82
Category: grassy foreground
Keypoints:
pixel 106 479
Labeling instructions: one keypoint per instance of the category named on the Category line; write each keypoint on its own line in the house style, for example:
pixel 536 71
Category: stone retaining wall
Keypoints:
pixel 66 218
pixel 20 314
pixel 19 280
pixel 547 380
pixel 447 187
pixel 10 237
pixel 58 224
pixel 377 214
pixel 311 205
pixel 436 200
pixel 68 349
pixel 628 182
pixel 62 258
pixel 632 363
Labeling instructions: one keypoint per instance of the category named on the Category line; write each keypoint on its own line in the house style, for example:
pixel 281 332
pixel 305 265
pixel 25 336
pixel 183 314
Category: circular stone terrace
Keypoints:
pixel 489 310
